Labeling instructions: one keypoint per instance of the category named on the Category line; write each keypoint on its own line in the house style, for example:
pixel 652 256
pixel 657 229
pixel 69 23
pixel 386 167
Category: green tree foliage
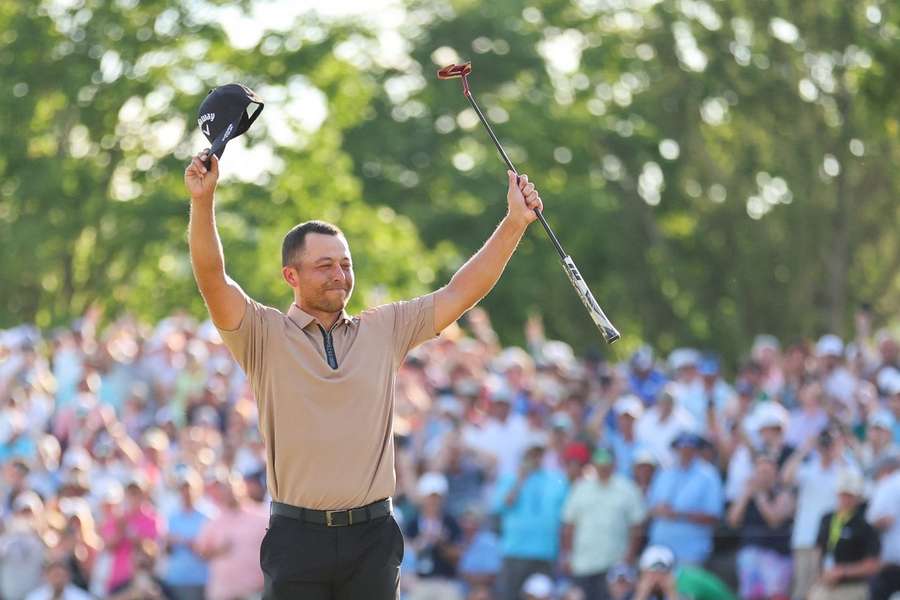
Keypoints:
pixel 98 129
pixel 713 167
pixel 716 168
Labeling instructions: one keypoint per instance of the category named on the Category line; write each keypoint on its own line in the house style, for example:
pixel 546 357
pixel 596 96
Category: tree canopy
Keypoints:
pixel 716 169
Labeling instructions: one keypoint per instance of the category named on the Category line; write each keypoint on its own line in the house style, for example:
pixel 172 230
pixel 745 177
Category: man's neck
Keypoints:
pixel 327 319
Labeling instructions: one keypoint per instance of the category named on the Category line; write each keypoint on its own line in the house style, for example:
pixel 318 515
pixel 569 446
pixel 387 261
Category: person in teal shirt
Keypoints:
pixel 529 505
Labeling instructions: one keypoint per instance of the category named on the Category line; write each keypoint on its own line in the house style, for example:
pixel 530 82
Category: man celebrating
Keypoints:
pixel 324 384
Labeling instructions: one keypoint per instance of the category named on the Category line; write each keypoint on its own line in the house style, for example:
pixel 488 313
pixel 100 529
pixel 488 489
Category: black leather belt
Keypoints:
pixel 334 518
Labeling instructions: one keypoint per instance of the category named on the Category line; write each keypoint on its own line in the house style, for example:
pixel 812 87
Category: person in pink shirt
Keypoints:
pixel 134 521
pixel 231 541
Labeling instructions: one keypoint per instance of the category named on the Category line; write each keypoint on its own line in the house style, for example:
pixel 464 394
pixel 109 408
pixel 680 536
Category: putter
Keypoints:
pixel 609 332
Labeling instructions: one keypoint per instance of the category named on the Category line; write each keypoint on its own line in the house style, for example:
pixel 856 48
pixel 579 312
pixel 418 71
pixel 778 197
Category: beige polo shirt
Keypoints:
pixel 328 432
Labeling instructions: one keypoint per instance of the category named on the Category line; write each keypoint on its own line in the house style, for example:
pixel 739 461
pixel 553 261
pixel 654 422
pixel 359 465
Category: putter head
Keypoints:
pixel 454 71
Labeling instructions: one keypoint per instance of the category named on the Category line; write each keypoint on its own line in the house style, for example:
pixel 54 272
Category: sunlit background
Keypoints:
pixel 716 168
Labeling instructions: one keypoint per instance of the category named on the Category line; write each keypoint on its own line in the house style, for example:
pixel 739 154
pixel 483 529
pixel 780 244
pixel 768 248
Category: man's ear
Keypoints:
pixel 290 275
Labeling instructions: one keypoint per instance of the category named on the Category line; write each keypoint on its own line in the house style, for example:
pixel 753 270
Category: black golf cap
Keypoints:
pixel 224 114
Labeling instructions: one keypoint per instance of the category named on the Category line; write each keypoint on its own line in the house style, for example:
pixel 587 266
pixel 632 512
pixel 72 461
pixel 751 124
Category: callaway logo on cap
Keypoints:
pixel 224 114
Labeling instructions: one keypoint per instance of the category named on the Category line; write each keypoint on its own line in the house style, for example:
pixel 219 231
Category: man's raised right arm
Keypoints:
pixel 224 298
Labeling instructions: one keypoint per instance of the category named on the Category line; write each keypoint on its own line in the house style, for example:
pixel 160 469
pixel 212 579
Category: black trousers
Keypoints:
pixel 307 561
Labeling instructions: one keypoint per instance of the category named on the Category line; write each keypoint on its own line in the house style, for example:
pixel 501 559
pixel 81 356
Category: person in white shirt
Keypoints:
pixel 838 381
pixel 504 435
pixel 58 586
pixel 884 514
pixel 659 426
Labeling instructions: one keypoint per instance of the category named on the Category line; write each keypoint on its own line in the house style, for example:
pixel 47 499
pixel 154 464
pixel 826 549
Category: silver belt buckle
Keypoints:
pixel 330 523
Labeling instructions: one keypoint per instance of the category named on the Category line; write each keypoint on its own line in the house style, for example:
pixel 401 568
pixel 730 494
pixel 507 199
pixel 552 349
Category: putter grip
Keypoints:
pixel 610 333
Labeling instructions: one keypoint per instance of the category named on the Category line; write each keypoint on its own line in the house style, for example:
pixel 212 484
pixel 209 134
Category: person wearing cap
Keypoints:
pixel 765 428
pixel 575 457
pixel 766 352
pixel 602 520
pixel 186 573
pixel 661 578
pixel 79 541
pixel 687 385
pixel 686 502
pixel 623 438
pixel 837 380
pixel 809 417
pixel 620 582
pixel 849 547
pixel 529 504
pixel 59 585
pixel 644 380
pixel 503 435
pixel 435 538
pixel 762 516
pixel 324 382
pixel 814 470
pixel 883 513
pixel 538 586
pixel 878 442
pixel 662 423
pixel 645 465
pixel 21 547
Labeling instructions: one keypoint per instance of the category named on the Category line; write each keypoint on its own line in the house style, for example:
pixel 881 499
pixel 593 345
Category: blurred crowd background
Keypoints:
pixel 132 467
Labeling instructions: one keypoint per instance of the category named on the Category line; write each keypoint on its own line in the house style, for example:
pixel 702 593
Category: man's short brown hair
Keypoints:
pixel 295 239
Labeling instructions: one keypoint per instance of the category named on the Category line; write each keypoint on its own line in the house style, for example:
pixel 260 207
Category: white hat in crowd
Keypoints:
pixel 645 456
pixel 850 481
pixel 683 357
pixel 657 558
pixel 432 483
pixel 830 345
pixel 630 405
pixel 770 414
pixel 889 381
pixel 538 585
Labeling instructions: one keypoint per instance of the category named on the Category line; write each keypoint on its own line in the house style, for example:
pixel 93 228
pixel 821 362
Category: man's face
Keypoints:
pixel 322 272
pixel 58 576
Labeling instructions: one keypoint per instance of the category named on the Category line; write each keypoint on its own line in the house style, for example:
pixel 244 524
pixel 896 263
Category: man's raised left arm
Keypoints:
pixel 475 279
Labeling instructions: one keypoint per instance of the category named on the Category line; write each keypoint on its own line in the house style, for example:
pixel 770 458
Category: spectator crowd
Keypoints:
pixel 132 468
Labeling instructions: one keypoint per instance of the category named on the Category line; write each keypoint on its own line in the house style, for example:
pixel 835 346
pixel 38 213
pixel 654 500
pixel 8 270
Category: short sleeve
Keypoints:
pixel 872 540
pixel 637 510
pixel 658 490
pixel 502 489
pixel 882 504
pixel 572 505
pixel 413 324
pixel 713 500
pixel 247 342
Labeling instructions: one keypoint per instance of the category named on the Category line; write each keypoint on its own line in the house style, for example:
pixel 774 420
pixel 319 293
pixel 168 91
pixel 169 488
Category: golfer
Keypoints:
pixel 324 385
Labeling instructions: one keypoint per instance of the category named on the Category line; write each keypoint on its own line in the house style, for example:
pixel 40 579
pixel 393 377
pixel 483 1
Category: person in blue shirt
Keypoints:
pixel 623 439
pixel 643 379
pixel 529 504
pixel 686 501
pixel 186 573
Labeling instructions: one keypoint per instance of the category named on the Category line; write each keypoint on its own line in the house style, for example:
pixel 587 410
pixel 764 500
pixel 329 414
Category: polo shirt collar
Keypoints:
pixel 303 319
